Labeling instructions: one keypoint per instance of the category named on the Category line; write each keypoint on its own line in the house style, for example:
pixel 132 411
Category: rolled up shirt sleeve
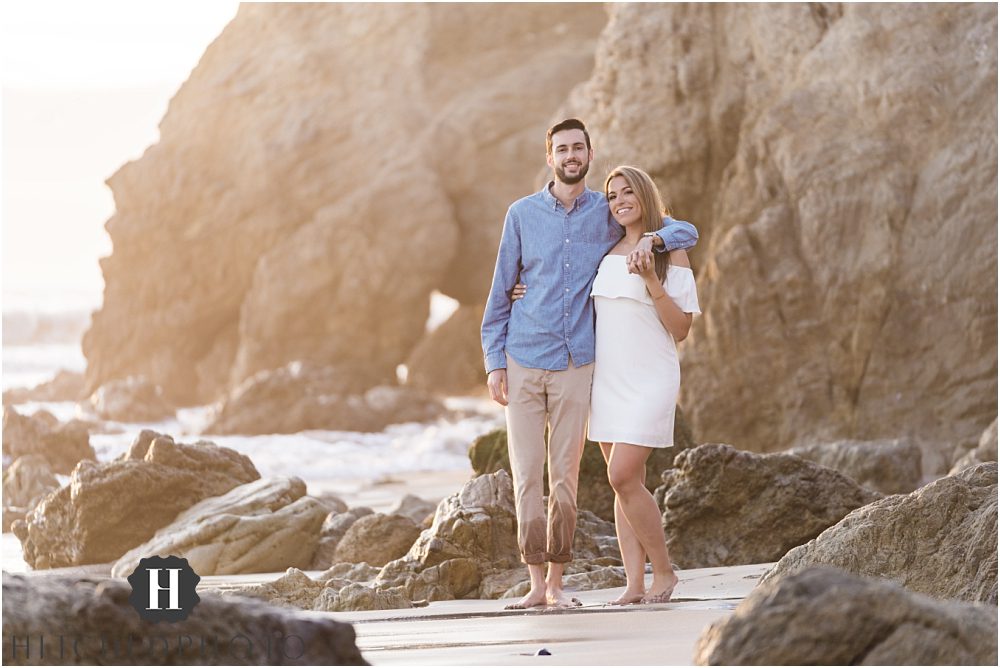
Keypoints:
pixel 676 234
pixel 498 304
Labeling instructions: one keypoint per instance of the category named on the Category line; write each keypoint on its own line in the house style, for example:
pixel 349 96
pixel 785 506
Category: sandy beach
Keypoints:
pixel 480 632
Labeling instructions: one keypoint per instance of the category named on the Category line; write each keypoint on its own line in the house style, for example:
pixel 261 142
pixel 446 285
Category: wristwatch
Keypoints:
pixel 652 236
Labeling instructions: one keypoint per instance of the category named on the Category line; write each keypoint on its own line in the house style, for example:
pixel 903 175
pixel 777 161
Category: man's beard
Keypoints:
pixel 572 180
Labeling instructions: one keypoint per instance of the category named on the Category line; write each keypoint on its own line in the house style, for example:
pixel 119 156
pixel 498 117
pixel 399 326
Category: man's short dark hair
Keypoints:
pixel 568 124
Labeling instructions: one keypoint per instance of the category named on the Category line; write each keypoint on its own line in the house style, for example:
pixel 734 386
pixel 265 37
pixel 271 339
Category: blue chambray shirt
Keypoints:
pixel 556 253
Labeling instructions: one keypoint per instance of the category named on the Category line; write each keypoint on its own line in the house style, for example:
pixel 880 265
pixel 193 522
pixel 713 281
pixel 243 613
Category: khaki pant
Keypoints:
pixel 562 398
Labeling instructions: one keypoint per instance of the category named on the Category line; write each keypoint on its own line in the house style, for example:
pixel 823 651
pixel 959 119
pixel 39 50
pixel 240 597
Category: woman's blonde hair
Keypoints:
pixel 653 208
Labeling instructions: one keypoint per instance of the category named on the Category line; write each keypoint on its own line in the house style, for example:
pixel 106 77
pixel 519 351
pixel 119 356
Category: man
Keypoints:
pixel 540 351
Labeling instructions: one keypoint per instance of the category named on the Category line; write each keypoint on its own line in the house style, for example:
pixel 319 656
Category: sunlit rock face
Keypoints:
pixel 840 163
pixel 321 171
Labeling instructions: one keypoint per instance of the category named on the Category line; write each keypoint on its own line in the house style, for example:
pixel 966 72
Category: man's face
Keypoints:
pixel 570 158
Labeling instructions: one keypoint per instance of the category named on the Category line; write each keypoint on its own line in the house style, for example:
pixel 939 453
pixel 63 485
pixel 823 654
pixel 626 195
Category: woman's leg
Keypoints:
pixel 633 556
pixel 626 464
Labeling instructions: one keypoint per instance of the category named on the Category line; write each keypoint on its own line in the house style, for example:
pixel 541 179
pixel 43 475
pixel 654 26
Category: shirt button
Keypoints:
pixel 567 289
pixel 567 241
pixel 566 314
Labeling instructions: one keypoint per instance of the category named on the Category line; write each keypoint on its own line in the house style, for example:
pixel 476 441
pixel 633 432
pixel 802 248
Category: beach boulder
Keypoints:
pixel 359 597
pixel 725 507
pixel 61 444
pixel 477 523
pixel 300 396
pixel 26 481
pixel 132 399
pixel 488 453
pixel 74 608
pixel 334 528
pixel 263 526
pixel 295 589
pixel 110 508
pixel 377 539
pixel 940 540
pixel 417 509
pixel 474 531
pixel 822 616
pixel 595 538
pixel 985 451
pixel 449 360
pixel 64 386
pixel 891 466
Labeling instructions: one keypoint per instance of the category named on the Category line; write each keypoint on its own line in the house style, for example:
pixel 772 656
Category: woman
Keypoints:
pixel 642 311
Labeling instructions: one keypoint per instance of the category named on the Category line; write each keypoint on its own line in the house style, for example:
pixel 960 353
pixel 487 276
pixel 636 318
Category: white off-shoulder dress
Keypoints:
pixel 636 371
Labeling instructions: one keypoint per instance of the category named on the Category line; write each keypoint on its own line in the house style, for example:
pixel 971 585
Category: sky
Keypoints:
pixel 84 86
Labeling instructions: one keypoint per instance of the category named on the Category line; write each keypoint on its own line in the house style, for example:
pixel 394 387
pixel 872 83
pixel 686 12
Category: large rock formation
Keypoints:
pixel 941 540
pixel 303 201
pixel 840 163
pixel 298 396
pixel 107 630
pixel 724 507
pixel 264 526
pixel 890 466
pixel 107 509
pixel 826 617
pixel 449 360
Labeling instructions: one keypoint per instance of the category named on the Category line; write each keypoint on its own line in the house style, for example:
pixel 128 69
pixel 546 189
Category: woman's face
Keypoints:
pixel 623 202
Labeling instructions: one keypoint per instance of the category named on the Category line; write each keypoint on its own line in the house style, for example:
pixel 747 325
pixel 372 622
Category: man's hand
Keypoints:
pixel 496 382
pixel 640 259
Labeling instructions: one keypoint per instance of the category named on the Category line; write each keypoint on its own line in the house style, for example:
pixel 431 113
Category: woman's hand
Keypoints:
pixel 518 292
pixel 640 259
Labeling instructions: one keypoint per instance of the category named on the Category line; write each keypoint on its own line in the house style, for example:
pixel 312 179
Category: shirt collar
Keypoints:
pixel 552 201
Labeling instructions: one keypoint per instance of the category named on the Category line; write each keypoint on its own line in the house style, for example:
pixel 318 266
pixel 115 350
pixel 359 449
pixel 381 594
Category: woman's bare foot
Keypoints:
pixel 629 597
pixel 661 590
pixel 533 599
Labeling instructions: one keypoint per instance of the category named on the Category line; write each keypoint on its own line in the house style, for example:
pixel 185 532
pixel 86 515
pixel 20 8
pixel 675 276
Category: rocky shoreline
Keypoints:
pixel 722 507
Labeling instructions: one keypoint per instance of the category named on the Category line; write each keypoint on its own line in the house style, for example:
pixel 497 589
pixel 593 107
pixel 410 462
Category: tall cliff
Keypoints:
pixel 841 164
pixel 322 170
pixel 326 166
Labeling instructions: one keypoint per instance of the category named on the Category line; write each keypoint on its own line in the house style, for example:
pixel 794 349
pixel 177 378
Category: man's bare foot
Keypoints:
pixel 533 599
pixel 629 597
pixel 557 598
pixel 661 591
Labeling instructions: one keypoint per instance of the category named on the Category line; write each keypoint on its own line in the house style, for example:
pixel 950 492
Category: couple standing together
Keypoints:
pixel 549 367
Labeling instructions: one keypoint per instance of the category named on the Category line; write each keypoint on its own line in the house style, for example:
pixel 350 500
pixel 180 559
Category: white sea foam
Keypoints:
pixel 317 455
pixel 30 365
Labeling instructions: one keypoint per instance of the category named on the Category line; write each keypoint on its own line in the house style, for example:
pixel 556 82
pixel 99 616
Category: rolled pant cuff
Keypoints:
pixel 535 558
pixel 558 558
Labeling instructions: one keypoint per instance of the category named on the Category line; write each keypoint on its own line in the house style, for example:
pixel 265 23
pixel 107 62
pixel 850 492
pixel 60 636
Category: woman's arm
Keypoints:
pixel 673 319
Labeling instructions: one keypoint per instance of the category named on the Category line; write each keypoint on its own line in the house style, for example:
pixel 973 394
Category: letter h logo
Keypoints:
pixel 173 588
pixel 163 589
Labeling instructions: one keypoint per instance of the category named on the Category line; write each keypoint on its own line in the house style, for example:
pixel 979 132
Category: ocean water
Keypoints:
pixel 323 459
